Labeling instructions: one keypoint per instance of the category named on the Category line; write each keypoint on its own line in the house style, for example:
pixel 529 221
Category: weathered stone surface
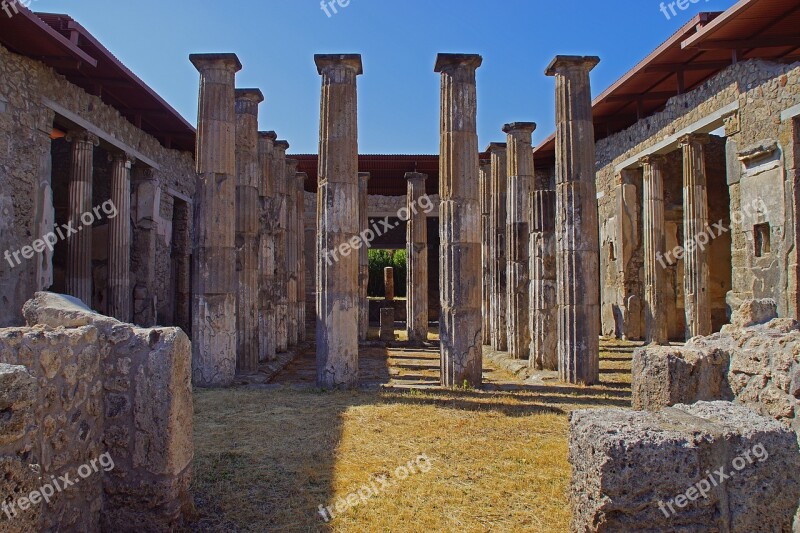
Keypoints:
pixel 417 260
pixel 267 334
pixel 498 190
pixel 120 305
pixel 387 324
pixel 281 220
pixel 363 257
pixel 754 312
pixel 486 249
pixel 654 249
pixel 17 397
pixel 629 467
pixel 388 283
pixel 459 219
pixel 54 310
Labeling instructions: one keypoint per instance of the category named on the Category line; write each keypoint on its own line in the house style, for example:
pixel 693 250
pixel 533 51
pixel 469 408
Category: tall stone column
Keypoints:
pixel 146 200
pixel 499 267
pixel 300 212
pixel 417 257
pixel 338 222
pixel 577 241
pixel 247 228
pixel 266 253
pixel 120 304
pixel 544 307
pixel 214 278
pixel 460 218
pixel 79 245
pixel 695 222
pixel 654 249
pixel 363 256
pixel 485 186
pixel 518 234
pixel 292 239
pixel 281 214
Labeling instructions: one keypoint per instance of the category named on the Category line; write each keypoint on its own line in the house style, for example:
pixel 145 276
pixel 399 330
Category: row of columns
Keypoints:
pixel 248 292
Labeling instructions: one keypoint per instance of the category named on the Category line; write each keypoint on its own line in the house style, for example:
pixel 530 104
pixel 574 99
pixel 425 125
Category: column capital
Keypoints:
pixel 446 62
pixel 496 147
pixel 247 101
pixel 204 62
pixel 694 138
pixel 364 176
pixel 653 160
pixel 282 145
pixel 268 135
pixel 519 127
pixel 326 62
pixel 81 135
pixel 416 176
pixel 561 64
pixel 122 157
pixel 291 166
pixel 301 178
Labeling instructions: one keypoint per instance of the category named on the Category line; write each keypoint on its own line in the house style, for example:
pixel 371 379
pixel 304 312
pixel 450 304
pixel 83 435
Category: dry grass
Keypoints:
pixel 265 460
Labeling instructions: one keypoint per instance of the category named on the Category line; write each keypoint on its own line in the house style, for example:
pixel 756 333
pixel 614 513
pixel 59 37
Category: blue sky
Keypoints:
pixel 399 92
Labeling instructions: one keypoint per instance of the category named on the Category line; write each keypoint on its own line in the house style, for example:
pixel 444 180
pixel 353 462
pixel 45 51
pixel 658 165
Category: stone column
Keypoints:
pixel 485 186
pixel 338 222
pixel 388 284
pixel 363 256
pixel 300 212
pixel 499 267
pixel 654 249
pixel 417 259
pixel 544 308
pixel 695 223
pixel 247 228
pixel 460 217
pixel 577 241
pixel 518 233
pixel 78 282
pixel 281 214
pixel 146 207
pixel 214 278
pixel 292 238
pixel 266 253
pixel 120 304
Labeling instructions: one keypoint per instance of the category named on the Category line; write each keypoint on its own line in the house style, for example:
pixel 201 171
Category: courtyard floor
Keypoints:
pixel 400 454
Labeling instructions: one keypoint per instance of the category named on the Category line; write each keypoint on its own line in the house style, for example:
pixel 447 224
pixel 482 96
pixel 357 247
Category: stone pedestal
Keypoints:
pixel 485 191
pixel 267 347
pixel 300 212
pixel 388 283
pixel 518 232
pixel 292 255
pixel 695 224
pixel 78 282
pixel 363 257
pixel 460 223
pixel 338 223
pixel 654 249
pixel 577 246
pixel 214 278
pixel 387 324
pixel 417 258
pixel 281 220
pixel 499 267
pixel 120 305
pixel 247 228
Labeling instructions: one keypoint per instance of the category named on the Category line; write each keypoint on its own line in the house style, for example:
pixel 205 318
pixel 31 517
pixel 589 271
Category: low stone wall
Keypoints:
pixel 102 393
pixel 711 466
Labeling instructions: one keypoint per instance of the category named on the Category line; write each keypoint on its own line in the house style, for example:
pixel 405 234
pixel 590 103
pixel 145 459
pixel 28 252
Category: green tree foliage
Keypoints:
pixel 378 261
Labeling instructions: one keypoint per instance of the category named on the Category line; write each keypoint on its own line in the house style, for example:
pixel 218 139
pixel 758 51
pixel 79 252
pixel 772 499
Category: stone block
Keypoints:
pixel 387 324
pixel 666 375
pixel 60 310
pixel 754 312
pixel 639 471
pixel 17 397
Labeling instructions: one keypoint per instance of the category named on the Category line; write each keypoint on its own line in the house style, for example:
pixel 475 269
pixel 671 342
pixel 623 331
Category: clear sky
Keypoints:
pixel 399 92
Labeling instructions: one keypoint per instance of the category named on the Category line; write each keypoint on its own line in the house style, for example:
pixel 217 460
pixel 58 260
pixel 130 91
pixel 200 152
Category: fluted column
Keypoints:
pixel 460 223
pixel 544 305
pixel 79 245
pixel 485 186
pixel 247 228
pixel 291 250
pixel 577 246
pixel 338 222
pixel 499 268
pixel 417 258
pixel 266 252
pixel 695 222
pixel 654 249
pixel 363 256
pixel 281 214
pixel 120 304
pixel 300 216
pixel 518 233
pixel 214 278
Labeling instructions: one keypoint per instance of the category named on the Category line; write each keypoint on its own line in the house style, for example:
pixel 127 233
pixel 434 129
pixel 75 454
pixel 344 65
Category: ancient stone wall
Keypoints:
pixel 762 90
pixel 26 188
pixel 104 394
